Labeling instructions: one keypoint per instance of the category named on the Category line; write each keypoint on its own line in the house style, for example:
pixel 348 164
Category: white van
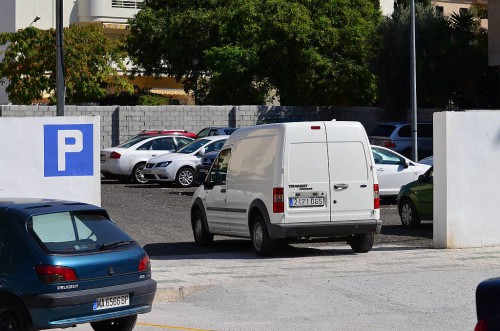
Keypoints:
pixel 291 180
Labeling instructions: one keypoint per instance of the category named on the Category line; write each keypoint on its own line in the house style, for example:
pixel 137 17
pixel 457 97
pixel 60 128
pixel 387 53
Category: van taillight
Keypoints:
pixel 145 264
pixel 115 155
pixel 55 274
pixel 376 196
pixel 278 201
pixel 315 127
pixel 389 143
pixel 481 326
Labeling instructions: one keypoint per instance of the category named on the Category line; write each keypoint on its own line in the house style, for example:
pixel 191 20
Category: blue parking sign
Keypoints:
pixel 68 150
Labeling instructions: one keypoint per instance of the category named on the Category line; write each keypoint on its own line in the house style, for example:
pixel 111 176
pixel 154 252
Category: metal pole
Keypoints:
pixel 60 87
pixel 413 75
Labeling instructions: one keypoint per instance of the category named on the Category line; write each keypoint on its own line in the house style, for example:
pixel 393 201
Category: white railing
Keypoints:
pixel 129 4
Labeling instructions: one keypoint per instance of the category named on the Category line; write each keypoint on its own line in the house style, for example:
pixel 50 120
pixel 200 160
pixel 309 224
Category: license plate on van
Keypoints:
pixel 306 202
pixel 112 302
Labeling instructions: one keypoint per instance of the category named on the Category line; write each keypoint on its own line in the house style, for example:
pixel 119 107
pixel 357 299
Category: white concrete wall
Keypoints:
pixel 51 157
pixel 466 179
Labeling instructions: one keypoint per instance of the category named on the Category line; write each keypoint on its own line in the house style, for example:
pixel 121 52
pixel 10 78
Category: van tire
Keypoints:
pixel 362 243
pixel 138 174
pixel 202 237
pixel 409 215
pixel 185 177
pixel 126 323
pixel 262 243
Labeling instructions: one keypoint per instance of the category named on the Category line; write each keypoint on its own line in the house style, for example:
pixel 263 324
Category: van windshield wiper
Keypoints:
pixel 115 244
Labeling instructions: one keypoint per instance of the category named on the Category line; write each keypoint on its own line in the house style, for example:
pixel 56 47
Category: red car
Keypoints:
pixel 165 132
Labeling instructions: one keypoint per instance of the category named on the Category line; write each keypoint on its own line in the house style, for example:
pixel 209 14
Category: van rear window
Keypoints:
pixel 348 161
pixel 308 163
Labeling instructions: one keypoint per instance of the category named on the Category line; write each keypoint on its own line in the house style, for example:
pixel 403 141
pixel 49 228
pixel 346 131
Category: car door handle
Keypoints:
pixel 154 155
pixel 380 169
pixel 340 186
pixel 222 190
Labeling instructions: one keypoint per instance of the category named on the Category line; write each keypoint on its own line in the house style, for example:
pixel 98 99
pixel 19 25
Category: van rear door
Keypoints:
pixel 306 179
pixel 351 178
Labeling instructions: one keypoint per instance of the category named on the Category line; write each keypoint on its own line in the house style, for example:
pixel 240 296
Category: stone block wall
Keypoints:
pixel 119 123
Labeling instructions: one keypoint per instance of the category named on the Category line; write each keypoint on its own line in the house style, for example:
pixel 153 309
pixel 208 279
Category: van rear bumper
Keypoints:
pixel 325 229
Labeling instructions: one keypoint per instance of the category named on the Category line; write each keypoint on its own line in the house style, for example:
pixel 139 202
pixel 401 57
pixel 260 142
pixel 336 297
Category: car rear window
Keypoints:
pixel 76 232
pixel 383 130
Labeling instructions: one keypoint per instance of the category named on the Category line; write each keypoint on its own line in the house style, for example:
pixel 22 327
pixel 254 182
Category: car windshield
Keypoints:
pixel 76 232
pixel 194 146
pixel 133 141
pixel 383 130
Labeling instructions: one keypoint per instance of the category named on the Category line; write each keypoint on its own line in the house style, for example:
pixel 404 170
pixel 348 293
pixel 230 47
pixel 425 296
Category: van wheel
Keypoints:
pixel 185 177
pixel 138 174
pixel 262 243
pixel 200 232
pixel 12 316
pixel 362 243
pixel 409 215
pixel 117 324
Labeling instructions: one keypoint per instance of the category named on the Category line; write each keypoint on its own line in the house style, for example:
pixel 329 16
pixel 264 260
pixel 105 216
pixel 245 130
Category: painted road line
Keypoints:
pixel 170 327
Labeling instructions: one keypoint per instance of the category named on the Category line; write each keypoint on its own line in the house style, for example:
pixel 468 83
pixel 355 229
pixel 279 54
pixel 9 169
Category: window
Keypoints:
pixel 405 131
pixel 132 4
pixel 218 173
pixel 463 11
pixel 76 232
pixel 181 142
pixel 381 156
pixel 215 146
pixel 163 144
pixel 383 130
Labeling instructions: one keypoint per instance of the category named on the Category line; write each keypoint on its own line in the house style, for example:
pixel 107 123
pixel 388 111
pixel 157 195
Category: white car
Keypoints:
pixel 394 170
pixel 180 167
pixel 128 159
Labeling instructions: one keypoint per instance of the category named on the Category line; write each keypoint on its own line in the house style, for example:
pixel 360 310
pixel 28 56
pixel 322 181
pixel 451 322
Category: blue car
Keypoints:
pixel 64 263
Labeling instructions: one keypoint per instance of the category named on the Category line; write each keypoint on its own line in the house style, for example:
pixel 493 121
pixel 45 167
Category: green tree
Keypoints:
pixel 311 52
pixel 91 63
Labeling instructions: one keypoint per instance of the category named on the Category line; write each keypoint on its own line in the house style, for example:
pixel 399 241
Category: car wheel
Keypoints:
pixel 362 243
pixel 12 317
pixel 262 243
pixel 200 232
pixel 185 177
pixel 409 215
pixel 117 324
pixel 138 174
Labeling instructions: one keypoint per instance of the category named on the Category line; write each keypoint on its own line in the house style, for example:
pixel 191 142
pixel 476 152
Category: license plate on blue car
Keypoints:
pixel 112 302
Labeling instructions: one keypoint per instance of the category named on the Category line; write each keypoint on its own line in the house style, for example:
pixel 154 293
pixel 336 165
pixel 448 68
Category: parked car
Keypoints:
pixel 394 170
pixel 166 132
pixel 128 159
pixel 204 167
pixel 488 305
pixel 65 263
pixel 180 167
pixel 415 200
pixel 291 180
pixel 397 136
pixel 216 131
pixel 428 160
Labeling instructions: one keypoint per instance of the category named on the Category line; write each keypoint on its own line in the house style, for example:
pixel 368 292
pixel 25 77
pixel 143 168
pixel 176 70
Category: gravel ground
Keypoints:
pixel 158 218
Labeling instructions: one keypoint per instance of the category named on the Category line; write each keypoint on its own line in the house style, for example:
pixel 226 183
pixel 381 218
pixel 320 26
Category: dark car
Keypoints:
pixel 216 131
pixel 488 305
pixel 415 200
pixel 204 167
pixel 64 263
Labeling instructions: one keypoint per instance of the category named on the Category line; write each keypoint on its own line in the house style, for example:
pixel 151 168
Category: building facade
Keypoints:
pixel 112 15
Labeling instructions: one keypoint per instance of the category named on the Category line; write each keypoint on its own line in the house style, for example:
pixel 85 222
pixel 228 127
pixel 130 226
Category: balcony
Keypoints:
pixel 107 11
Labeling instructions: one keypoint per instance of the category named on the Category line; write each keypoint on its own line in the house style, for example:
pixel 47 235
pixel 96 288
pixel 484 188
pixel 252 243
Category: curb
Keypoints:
pixel 174 294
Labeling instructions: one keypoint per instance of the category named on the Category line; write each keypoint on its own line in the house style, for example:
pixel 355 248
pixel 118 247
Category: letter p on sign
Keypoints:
pixel 68 150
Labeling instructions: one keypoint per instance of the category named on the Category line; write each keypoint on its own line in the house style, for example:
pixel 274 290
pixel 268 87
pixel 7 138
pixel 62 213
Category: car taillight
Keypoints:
pixel 55 274
pixel 315 127
pixel 376 196
pixel 481 326
pixel 115 155
pixel 389 143
pixel 278 200
pixel 145 264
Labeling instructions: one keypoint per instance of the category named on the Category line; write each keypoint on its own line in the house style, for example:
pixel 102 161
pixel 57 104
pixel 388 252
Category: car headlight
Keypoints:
pixel 163 164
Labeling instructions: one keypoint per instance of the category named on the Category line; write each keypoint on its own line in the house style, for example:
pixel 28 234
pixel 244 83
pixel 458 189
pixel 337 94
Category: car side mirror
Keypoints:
pixel 406 164
pixel 201 152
